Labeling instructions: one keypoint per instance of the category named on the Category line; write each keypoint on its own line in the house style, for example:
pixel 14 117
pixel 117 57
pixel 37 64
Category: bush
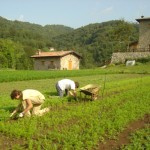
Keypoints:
pixel 143 60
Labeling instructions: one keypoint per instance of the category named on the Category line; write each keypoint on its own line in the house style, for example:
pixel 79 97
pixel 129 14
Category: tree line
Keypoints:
pixel 95 42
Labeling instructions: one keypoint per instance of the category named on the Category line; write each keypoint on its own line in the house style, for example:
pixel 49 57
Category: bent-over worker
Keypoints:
pixel 67 86
pixel 29 100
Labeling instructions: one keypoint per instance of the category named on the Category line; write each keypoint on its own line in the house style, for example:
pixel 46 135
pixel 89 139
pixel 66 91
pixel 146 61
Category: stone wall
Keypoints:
pixel 69 62
pixel 122 57
pixel 46 63
pixel 144 34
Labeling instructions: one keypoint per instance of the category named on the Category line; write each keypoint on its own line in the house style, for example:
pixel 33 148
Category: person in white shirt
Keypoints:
pixel 67 86
pixel 29 100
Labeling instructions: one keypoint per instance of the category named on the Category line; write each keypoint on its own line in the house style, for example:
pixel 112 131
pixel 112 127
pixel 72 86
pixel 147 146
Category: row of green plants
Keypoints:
pixel 8 76
pixel 82 124
pixel 12 75
pixel 139 139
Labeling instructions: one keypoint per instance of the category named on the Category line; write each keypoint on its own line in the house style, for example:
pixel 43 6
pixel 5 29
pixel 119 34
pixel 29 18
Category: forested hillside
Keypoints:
pixel 95 42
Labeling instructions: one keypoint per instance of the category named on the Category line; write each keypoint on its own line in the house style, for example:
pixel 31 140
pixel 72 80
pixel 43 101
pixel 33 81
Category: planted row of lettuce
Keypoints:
pixel 82 125
pixel 9 76
pixel 22 75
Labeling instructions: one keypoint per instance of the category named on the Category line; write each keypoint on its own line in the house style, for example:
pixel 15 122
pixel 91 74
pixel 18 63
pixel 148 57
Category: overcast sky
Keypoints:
pixel 73 13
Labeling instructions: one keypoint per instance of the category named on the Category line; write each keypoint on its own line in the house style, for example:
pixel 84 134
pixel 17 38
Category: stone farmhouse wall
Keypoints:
pixel 68 62
pixel 144 34
pixel 122 57
pixel 69 59
pixel 46 63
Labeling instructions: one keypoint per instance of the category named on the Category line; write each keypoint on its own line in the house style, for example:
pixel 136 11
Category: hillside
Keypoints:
pixel 22 31
pixel 95 42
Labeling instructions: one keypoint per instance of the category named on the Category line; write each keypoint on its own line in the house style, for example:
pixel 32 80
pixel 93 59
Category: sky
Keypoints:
pixel 73 13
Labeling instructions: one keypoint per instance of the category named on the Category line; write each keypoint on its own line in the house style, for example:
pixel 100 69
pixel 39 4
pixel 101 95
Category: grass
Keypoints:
pixel 77 124
pixel 139 140
pixel 11 75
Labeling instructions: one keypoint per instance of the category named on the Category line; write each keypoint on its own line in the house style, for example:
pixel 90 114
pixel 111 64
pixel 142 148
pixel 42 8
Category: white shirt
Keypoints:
pixel 66 84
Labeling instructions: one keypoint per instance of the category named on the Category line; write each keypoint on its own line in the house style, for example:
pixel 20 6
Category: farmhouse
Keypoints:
pixel 137 49
pixel 144 34
pixel 61 60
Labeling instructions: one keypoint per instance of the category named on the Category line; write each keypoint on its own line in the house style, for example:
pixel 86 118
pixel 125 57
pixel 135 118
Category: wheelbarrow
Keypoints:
pixel 90 90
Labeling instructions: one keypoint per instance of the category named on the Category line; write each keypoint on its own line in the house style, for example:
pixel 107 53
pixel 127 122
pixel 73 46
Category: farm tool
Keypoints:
pixel 15 117
pixel 91 91
pixel 9 118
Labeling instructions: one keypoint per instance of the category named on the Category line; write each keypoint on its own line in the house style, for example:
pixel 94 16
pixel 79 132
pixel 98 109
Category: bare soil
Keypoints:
pixel 123 137
pixel 7 143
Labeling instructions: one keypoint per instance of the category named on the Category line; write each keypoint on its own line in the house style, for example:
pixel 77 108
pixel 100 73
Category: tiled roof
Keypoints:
pixel 148 18
pixel 54 54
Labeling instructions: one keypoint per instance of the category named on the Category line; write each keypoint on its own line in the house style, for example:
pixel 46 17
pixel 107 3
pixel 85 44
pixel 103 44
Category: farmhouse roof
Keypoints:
pixel 40 54
pixel 143 18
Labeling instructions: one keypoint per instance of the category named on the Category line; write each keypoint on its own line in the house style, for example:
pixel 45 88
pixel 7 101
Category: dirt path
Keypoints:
pixel 123 137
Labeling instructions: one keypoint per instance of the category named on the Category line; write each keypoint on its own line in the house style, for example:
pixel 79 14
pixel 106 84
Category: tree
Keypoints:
pixel 11 54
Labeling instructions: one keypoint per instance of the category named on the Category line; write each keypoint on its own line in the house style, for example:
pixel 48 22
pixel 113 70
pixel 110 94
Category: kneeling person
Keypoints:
pixel 29 100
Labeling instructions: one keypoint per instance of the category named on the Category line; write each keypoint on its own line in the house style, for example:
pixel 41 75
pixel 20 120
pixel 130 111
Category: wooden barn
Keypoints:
pixel 60 60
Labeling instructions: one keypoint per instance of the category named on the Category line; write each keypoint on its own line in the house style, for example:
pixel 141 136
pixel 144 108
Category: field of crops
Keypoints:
pixel 118 119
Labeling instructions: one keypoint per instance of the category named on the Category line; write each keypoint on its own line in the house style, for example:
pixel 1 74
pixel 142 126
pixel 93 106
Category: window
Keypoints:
pixel 51 65
pixel 43 62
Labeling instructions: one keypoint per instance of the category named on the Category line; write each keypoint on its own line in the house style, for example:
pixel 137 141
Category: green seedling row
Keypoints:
pixel 139 140
pixel 81 124
pixel 12 75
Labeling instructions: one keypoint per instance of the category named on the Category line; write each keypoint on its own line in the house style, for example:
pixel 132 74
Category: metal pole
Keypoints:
pixel 104 86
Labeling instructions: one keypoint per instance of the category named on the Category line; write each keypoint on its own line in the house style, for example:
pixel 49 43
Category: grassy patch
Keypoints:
pixel 76 124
